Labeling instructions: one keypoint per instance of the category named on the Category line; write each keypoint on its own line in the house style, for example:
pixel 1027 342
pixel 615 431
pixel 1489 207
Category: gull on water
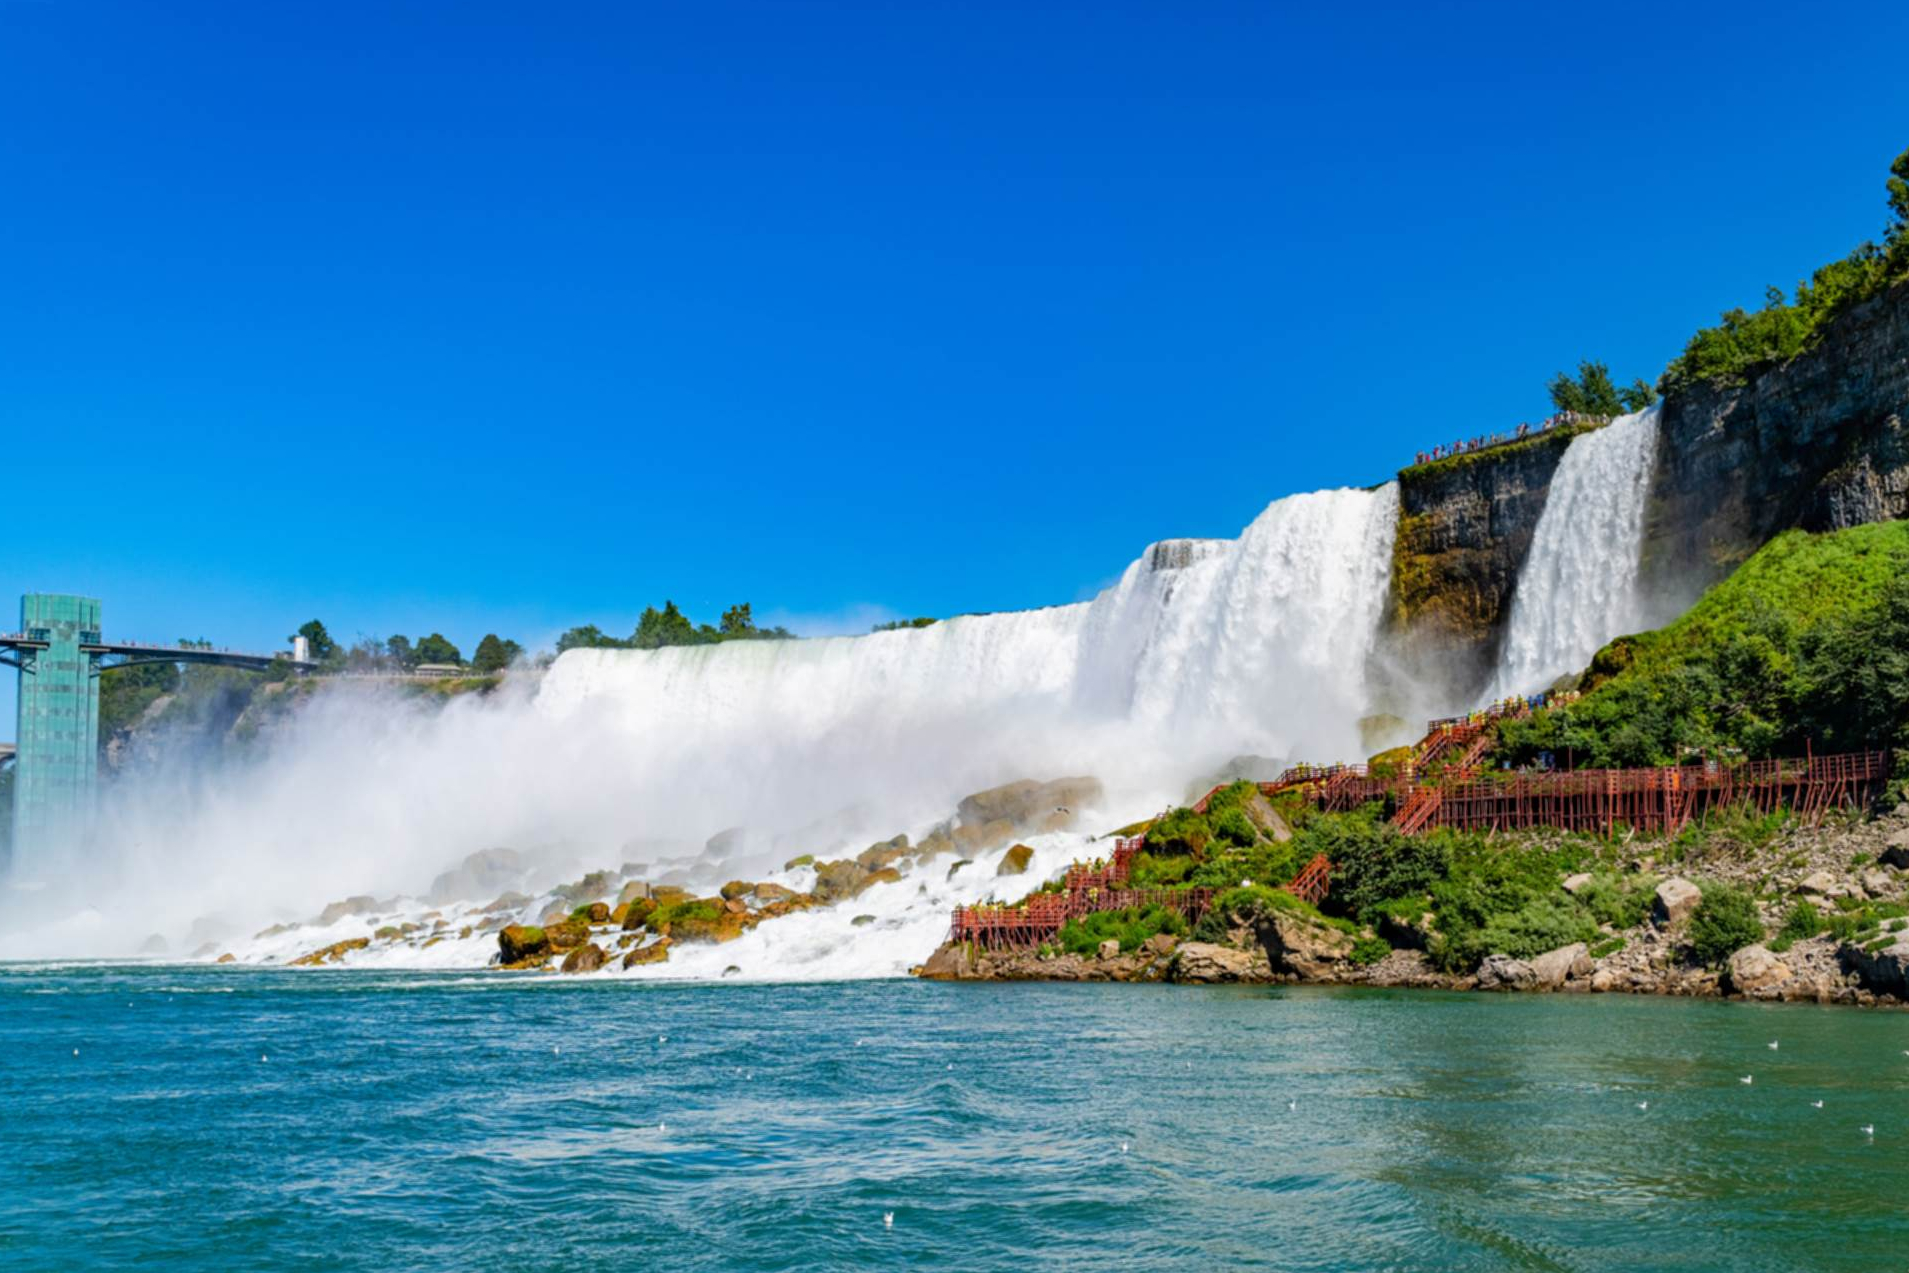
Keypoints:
pixel 1746 1079
pixel 1123 1146
pixel 888 1219
pixel 1292 1105
pixel 1869 1129
pixel 1816 1105
pixel 1773 1045
pixel 1643 1104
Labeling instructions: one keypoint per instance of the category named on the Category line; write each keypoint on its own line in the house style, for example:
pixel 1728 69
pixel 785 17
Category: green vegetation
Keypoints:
pixel 896 625
pixel 494 655
pixel 1505 898
pixel 1745 343
pixel 1131 927
pixel 1807 644
pixel 1370 950
pixel 689 908
pixel 1592 393
pixel 1800 923
pixel 1725 922
pixel 656 629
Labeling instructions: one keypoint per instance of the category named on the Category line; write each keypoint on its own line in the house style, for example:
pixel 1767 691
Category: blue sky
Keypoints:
pixel 478 316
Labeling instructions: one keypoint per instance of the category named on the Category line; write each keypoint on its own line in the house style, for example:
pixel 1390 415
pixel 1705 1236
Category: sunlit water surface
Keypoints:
pixel 241 1119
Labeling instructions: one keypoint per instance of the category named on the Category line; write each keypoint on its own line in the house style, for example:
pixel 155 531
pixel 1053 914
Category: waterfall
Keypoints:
pixel 1204 649
pixel 1578 587
pixel 712 763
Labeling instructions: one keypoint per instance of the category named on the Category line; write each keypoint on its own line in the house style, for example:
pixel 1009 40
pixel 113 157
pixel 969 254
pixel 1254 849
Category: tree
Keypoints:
pixel 1593 392
pixel 322 646
pixel 494 655
pixel 668 626
pixel 588 637
pixel 398 648
pixel 738 622
pixel 435 649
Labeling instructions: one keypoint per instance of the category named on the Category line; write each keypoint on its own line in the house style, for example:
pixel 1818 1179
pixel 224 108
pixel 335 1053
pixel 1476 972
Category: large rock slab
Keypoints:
pixel 1676 899
pixel 1502 972
pixel 1301 946
pixel 1554 967
pixel 1206 963
pixel 483 874
pixel 1756 968
pixel 1030 804
pixel 1881 971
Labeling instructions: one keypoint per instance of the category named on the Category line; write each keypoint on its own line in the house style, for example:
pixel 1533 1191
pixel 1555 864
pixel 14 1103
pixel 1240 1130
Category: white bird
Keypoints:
pixel 1746 1079
pixel 888 1219
pixel 1816 1105
pixel 662 1127
pixel 261 1058
pixel 76 1051
pixel 662 1038
pixel 1123 1146
pixel 1772 1045
pixel 1291 1106
pixel 1869 1129
pixel 1643 1104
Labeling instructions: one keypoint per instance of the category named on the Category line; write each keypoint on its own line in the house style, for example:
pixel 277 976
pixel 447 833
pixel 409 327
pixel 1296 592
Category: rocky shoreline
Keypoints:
pixel 1868 969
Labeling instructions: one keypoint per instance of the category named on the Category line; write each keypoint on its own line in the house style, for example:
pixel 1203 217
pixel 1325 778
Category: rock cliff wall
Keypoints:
pixel 1818 443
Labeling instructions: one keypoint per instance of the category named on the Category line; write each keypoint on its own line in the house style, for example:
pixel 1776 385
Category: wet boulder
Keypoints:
pixel 1015 860
pixel 837 880
pixel 597 913
pixel 736 889
pixel 507 902
pixel 518 942
pixel 585 958
pixel 332 954
pixel 362 904
pixel 655 953
pixel 1030 804
pixel 725 926
pixel 572 932
pixel 766 892
pixel 877 856
pixel 480 875
pixel 637 914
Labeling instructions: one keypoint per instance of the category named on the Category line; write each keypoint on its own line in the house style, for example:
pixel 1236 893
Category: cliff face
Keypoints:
pixel 1465 526
pixel 1818 443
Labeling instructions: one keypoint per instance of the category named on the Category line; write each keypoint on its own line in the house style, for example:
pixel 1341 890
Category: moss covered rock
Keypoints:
pixel 518 942
pixel 330 954
pixel 655 953
pixel 637 913
pixel 1015 860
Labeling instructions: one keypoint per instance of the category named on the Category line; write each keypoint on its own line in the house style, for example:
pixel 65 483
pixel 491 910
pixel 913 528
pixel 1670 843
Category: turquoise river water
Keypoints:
pixel 208 1118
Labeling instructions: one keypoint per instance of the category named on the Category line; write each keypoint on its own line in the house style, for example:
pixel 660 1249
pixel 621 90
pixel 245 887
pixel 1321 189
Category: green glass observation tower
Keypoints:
pixel 59 653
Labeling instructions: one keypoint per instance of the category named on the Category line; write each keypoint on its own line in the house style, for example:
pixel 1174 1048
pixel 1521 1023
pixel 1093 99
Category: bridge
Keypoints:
pixel 59 654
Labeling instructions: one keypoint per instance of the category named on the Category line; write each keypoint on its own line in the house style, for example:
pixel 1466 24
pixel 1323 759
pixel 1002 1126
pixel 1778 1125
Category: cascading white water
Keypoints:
pixel 1578 587
pixel 1204 650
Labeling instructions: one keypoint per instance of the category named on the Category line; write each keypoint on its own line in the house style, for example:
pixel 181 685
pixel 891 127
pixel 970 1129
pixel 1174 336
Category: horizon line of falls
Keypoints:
pixel 1578 587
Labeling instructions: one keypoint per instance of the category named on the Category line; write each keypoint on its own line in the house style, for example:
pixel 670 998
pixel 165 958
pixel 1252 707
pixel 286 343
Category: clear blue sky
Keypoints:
pixel 477 316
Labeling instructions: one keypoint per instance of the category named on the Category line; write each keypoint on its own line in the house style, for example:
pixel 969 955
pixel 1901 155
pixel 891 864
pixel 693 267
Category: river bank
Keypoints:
pixel 1825 919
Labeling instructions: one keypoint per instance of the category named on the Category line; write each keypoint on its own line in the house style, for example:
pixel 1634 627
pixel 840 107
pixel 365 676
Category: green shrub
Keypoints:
pixel 1179 831
pixel 1232 826
pixel 1152 871
pixel 1370 950
pixel 1609 946
pixel 1800 923
pixel 1724 922
pixel 1371 861
pixel 1618 901
pixel 1130 927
